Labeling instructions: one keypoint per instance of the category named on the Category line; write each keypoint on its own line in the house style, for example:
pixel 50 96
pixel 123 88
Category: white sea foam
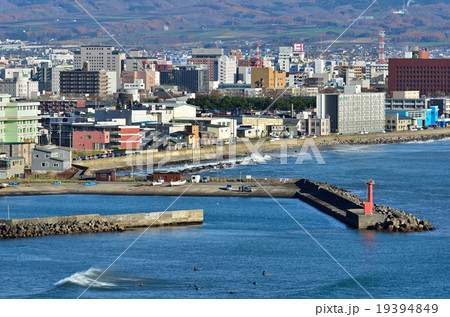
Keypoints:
pixel 85 279
pixel 420 142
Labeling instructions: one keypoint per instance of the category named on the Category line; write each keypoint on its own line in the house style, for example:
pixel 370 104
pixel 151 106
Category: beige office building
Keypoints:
pixel 268 78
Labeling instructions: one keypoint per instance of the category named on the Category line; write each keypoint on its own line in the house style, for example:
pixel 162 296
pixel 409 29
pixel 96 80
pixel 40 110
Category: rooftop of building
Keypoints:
pixel 50 148
pixel 11 158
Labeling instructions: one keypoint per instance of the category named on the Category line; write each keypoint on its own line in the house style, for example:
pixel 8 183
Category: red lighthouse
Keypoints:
pixel 368 205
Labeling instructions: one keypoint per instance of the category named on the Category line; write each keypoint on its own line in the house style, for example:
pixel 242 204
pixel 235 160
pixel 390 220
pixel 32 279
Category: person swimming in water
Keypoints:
pixel 195 269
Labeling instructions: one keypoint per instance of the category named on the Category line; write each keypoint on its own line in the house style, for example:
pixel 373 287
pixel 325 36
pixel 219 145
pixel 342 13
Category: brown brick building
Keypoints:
pixel 85 81
pixel 429 76
pixel 79 82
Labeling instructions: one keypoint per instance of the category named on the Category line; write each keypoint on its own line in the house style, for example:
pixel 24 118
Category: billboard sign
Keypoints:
pixel 298 47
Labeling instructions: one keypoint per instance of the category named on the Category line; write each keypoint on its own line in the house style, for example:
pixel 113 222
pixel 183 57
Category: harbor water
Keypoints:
pixel 242 237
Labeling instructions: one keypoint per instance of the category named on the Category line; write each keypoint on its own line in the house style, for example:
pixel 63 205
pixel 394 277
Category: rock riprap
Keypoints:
pixel 49 229
pixel 395 220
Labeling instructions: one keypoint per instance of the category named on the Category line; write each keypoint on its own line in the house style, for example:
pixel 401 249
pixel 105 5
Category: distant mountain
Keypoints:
pixel 196 22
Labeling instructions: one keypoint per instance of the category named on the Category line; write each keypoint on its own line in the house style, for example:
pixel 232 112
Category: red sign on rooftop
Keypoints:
pixel 298 47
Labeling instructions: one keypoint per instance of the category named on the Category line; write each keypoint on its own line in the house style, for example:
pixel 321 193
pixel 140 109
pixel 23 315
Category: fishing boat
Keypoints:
pixel 158 183
pixel 178 183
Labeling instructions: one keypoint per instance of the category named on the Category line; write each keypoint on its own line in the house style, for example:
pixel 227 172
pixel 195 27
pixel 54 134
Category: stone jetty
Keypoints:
pixel 47 226
pixel 349 209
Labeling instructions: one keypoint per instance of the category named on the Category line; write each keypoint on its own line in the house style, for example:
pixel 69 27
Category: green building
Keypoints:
pixel 19 121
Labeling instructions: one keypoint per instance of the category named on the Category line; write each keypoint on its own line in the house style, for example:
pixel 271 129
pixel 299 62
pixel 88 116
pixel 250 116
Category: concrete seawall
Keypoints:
pixel 335 205
pixel 42 226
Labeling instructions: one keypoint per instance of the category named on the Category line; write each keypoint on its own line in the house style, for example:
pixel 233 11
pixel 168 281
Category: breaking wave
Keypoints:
pixel 109 279
pixel 420 142
pixel 86 278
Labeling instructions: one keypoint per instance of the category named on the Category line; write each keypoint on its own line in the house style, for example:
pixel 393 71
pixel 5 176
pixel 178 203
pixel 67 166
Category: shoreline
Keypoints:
pixel 240 150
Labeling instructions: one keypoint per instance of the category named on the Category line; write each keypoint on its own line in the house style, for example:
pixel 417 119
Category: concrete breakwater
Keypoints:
pixel 332 200
pixel 44 226
pixel 350 210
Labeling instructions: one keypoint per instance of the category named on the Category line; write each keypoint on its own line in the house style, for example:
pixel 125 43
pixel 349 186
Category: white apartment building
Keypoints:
pixel 284 58
pixel 353 112
pixel 319 66
pixel 21 87
pixel 226 69
pixel 112 82
pixel 12 73
pixel 56 71
pixel 137 84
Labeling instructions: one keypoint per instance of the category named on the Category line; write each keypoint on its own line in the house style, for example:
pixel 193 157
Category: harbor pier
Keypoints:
pixel 332 200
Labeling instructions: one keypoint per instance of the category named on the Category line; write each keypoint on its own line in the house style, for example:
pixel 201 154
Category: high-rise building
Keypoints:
pixel 268 78
pixel 44 75
pixel 19 121
pixel 353 111
pixel 55 76
pixel 84 82
pixel 226 69
pixel 208 57
pixel 284 58
pixel 356 70
pixel 430 76
pixel 100 58
pixel 190 78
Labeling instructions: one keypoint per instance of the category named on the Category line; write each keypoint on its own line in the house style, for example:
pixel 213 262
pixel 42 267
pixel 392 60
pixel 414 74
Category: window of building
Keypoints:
pixel 44 164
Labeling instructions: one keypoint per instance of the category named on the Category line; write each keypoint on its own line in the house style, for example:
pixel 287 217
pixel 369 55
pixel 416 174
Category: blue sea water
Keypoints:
pixel 241 237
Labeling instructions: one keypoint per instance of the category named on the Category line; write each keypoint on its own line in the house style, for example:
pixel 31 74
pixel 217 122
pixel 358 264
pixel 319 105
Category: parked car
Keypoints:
pixel 246 189
pixel 205 179
pixel 229 187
